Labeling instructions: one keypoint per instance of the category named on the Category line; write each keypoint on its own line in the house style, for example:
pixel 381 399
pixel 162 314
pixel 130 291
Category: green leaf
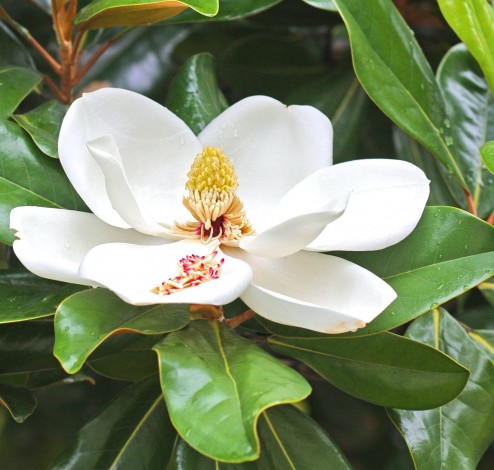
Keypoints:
pixel 289 439
pixel 487 154
pixel 84 320
pixel 156 65
pixel 339 96
pixel 45 5
pixel 212 376
pixel 43 125
pixel 27 347
pixel 27 177
pixel 471 111
pixel 484 340
pixel 449 252
pixel 133 362
pixel 108 13
pixel 287 61
pixel 26 296
pixel 229 10
pixel 20 402
pixel 322 4
pixel 384 369
pixel 194 95
pixel 444 191
pixel 132 432
pixel 487 289
pixel 15 84
pixel 464 428
pixel 473 22
pixel 399 79
pixel 13 51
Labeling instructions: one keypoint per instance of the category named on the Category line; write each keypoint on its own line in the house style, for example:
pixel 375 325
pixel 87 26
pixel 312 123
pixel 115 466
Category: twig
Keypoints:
pixel 239 319
pixel 490 219
pixel 470 202
pixel 53 86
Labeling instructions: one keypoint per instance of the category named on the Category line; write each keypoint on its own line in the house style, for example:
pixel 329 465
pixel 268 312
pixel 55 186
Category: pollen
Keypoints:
pixel 212 200
pixel 193 271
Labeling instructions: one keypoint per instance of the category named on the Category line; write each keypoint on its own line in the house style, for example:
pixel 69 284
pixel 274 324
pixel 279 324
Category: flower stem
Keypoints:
pixel 239 319
pixel 54 88
pixel 470 202
pixel 490 219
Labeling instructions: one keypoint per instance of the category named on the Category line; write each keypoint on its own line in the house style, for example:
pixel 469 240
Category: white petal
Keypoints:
pixel 156 147
pixel 272 146
pixel 53 242
pixel 288 236
pixel 132 271
pixel 314 291
pixel 384 202
pixel 123 199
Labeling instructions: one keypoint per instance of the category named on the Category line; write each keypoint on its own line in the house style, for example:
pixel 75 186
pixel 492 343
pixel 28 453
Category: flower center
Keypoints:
pixel 212 200
pixel 193 270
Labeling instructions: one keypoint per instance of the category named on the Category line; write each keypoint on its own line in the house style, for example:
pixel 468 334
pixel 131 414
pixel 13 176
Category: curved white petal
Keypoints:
pixel 156 148
pixel 132 271
pixel 288 236
pixel 53 242
pixel 272 146
pixel 314 291
pixel 384 202
pixel 123 199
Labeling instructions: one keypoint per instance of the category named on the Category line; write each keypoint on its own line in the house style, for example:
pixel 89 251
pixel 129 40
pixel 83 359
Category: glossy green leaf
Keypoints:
pixel 13 51
pixel 339 96
pixel 43 125
pixel 84 320
pixel 45 378
pixel 229 10
pixel 27 347
pixel 194 95
pixel 487 288
pixel 134 362
pixel 216 384
pixel 108 13
pixel 45 5
pixel 473 22
pixel 289 439
pixel 444 191
pixel 384 369
pixel 26 296
pixel 20 402
pixel 464 428
pixel 399 79
pixel 449 252
pixel 322 4
pixel 27 177
pixel 140 61
pixel 487 154
pixel 132 432
pixel 270 64
pixel 484 340
pixel 15 84
pixel 471 112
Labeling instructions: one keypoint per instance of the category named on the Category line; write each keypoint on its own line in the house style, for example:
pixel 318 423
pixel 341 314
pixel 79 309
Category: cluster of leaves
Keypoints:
pixel 199 394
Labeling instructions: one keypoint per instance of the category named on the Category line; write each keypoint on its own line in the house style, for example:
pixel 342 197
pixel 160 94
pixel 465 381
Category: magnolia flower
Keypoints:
pixel 243 209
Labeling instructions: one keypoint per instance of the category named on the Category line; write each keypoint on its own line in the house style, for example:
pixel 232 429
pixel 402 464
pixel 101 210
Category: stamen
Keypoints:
pixel 193 270
pixel 212 200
